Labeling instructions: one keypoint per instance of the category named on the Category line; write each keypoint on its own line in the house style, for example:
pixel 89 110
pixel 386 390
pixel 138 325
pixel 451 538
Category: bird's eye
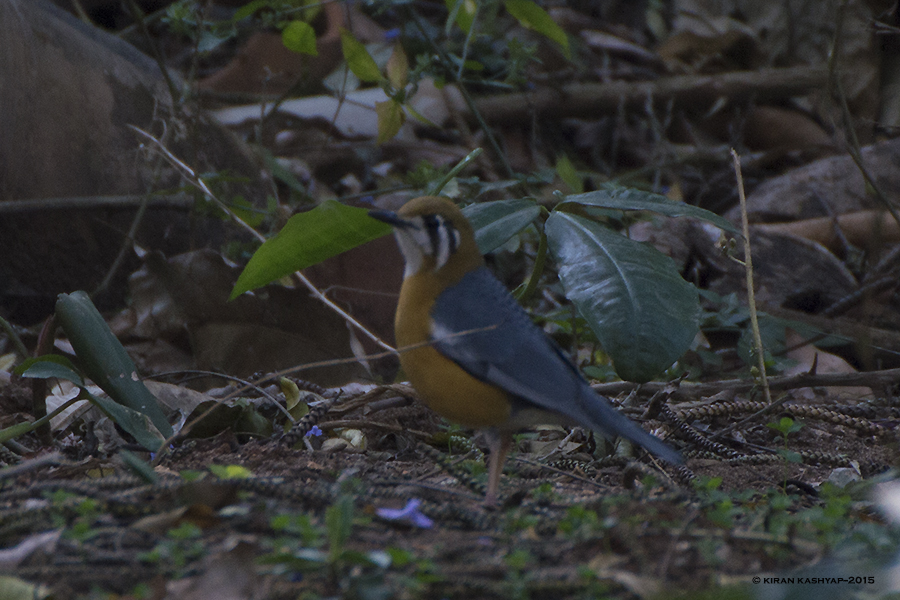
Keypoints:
pixel 443 238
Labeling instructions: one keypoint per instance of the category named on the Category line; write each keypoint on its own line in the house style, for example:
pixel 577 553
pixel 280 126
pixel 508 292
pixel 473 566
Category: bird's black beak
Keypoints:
pixel 390 217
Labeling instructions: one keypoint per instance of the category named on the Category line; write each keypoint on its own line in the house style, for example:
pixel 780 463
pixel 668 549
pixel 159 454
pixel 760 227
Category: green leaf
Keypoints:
pixel 104 360
pixel 567 172
pixel 246 211
pixel 398 68
pixel 790 456
pixel 785 426
pixel 13 588
pixel 358 58
pixel 138 466
pixel 496 222
pixel 339 524
pixel 249 9
pixel 771 332
pixel 632 296
pixel 631 199
pixel 210 40
pixel 50 366
pixel 532 16
pixel 462 12
pixel 390 119
pixel 14 431
pixel 306 239
pixel 134 422
pixel 231 471
pixel 280 172
pixel 300 37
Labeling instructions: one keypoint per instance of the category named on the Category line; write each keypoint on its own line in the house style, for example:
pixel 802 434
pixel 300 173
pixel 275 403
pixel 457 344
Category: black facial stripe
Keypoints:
pixel 432 226
pixel 452 237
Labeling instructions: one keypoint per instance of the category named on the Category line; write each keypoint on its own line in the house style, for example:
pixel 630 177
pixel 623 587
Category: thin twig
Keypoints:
pixel 590 99
pixel 585 480
pixel 748 266
pixel 855 152
pixel 691 391
pixel 196 181
pixel 313 365
pixel 14 337
pixel 89 203
pixel 138 16
pixel 540 261
pixel 127 243
pixel 742 422
pixel 247 385
pixel 836 87
pixel 474 112
pixel 363 424
pixel 437 187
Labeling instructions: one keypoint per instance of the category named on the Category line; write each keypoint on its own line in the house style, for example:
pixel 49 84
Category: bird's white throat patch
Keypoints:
pixel 411 251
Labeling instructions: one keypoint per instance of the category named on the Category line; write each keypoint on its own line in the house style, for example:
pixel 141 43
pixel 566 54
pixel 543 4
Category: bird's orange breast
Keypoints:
pixel 442 384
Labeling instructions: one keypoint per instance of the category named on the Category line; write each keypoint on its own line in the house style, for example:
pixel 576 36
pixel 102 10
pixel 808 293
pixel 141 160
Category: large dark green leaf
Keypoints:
pixel 103 358
pixel 633 297
pixel 137 423
pixel 631 199
pixel 132 421
pixel 309 238
pixel 496 222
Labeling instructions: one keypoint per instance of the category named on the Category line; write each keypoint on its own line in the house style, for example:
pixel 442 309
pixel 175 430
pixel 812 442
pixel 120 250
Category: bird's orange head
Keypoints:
pixel 434 236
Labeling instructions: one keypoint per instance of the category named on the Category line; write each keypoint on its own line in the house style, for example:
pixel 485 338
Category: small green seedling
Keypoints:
pixel 786 426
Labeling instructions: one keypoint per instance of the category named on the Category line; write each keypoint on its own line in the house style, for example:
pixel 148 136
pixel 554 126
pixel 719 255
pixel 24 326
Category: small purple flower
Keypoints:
pixel 409 513
pixel 153 454
pixel 391 34
pixel 315 431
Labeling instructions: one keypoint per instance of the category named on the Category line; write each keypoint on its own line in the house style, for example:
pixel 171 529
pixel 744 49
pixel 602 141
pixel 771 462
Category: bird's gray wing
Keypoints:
pixel 480 326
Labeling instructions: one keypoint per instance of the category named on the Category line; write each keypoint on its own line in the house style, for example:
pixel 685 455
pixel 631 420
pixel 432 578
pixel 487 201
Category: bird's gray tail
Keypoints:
pixel 604 418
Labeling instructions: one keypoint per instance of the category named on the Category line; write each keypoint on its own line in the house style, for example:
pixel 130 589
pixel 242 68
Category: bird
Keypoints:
pixel 471 351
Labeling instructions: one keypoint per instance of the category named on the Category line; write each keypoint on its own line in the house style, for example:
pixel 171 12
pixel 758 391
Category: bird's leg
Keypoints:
pixel 498 445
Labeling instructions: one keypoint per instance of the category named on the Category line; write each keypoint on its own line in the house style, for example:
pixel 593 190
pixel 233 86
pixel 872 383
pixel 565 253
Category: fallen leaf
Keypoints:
pixel 825 363
pixel 45 542
pixel 870 230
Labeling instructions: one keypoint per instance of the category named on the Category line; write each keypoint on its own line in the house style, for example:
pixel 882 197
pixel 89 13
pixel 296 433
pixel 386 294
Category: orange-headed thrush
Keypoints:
pixel 473 354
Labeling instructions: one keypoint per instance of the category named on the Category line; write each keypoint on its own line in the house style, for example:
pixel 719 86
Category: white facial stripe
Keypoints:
pixel 430 235
pixel 443 246
pixel 444 238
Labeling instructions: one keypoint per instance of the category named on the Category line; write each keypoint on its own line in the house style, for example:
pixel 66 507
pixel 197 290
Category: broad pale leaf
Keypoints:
pixel 306 239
